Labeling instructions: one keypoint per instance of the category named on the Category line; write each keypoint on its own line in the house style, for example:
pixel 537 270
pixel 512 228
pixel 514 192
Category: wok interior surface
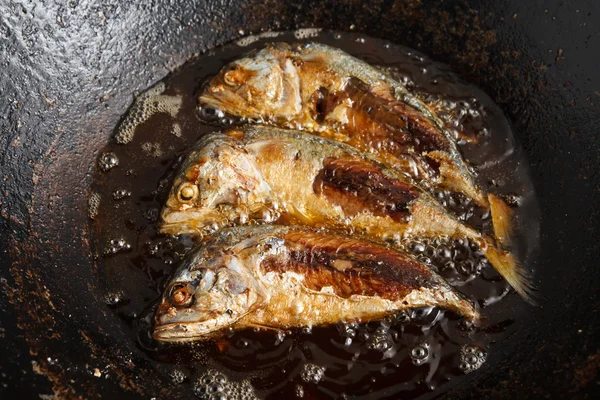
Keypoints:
pixel 69 72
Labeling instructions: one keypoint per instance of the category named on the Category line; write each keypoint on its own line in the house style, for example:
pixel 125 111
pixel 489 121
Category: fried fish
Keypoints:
pixel 260 174
pixel 285 277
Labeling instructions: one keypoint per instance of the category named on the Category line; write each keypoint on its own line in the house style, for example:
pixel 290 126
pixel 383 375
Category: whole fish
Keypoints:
pixel 323 90
pixel 284 277
pixel 257 174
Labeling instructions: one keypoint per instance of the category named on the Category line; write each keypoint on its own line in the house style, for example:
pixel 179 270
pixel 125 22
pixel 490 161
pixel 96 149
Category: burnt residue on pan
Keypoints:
pixel 134 174
pixel 69 71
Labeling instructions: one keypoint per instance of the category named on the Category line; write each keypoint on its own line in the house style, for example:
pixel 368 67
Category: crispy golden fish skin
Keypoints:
pixel 325 91
pixel 261 174
pixel 285 277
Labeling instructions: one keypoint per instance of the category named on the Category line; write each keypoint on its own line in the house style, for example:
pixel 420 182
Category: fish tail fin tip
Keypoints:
pixel 502 219
pixel 513 272
pixel 475 318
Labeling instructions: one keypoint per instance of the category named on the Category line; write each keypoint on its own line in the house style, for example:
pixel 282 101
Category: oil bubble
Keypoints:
pixel 348 332
pixel 279 337
pixel 466 267
pixel 449 266
pixel 178 376
pixel 108 161
pixel 381 340
pixel 113 299
pixel 402 317
pixel 121 194
pixel 419 353
pixel 430 251
pixel 416 247
pixel 117 245
pixel 513 199
pixel 312 373
pixel 443 253
pixel 299 391
pixel 151 214
pixel 307 330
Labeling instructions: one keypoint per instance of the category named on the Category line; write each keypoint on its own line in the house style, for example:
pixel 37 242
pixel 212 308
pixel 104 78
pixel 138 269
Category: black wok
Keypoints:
pixel 68 71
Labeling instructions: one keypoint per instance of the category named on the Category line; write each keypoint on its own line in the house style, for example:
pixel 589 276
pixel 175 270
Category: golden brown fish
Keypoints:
pixel 264 174
pixel 323 90
pixel 285 277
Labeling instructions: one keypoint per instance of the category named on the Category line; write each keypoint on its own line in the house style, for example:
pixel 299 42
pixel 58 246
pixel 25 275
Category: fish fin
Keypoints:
pixel 384 91
pixel 454 179
pixel 467 138
pixel 502 218
pixel 512 271
pixel 222 344
pixel 296 216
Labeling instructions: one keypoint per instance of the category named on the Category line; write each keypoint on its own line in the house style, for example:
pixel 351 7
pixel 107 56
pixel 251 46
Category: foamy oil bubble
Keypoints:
pixel 147 104
pixel 312 373
pixel 152 149
pixel 306 33
pixel 213 385
pixel 93 205
pixel 120 194
pixel 248 40
pixel 471 358
pixel 176 130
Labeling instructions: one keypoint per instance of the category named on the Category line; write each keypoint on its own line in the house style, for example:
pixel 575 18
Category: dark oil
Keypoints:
pixel 418 352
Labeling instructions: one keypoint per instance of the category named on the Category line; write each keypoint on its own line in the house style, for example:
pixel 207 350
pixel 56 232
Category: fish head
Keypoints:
pixel 205 296
pixel 264 85
pixel 214 188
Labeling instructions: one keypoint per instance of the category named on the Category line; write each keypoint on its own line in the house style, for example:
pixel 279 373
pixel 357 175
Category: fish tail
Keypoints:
pixel 502 219
pixel 512 271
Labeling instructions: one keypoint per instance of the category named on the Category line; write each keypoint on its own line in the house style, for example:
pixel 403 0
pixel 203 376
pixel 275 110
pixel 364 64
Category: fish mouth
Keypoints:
pixel 189 221
pixel 184 332
pixel 175 228
pixel 228 102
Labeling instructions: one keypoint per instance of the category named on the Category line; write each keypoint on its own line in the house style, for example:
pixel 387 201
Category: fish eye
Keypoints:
pixel 187 192
pixel 232 76
pixel 180 295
